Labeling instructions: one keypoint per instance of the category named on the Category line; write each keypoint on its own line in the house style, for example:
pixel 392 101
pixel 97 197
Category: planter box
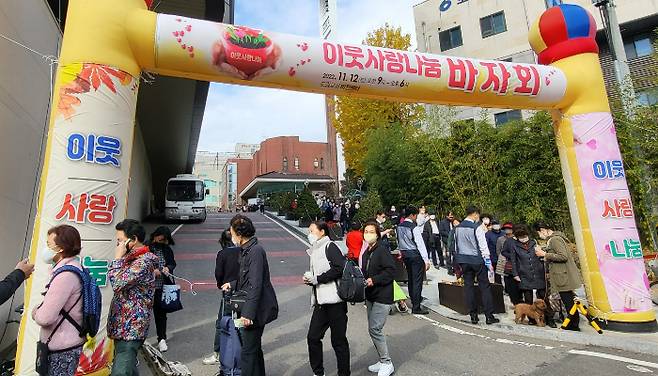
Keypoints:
pixel 290 217
pixel 454 297
pixel 280 213
pixel 304 223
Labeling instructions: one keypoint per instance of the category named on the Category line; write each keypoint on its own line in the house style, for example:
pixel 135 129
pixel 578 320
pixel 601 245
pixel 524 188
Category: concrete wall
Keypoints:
pixel 140 190
pixel 24 98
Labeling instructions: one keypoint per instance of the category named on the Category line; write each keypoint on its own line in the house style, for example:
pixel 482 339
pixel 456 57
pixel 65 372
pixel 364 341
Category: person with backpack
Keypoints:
pixel 61 312
pixel 379 270
pixel 260 306
pixel 227 267
pixel 329 310
pixel 562 269
pixel 132 276
pixel 160 244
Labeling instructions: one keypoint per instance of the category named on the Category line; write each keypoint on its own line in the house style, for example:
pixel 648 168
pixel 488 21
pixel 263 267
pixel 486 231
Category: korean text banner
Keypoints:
pixel 84 184
pixel 238 54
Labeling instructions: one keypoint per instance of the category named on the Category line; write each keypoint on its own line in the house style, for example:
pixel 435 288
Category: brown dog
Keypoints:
pixel 534 311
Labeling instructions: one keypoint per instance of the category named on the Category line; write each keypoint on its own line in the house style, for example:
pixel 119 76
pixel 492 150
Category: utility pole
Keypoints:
pixel 622 71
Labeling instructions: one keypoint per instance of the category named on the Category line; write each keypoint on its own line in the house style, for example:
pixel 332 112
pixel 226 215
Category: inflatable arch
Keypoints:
pixel 107 44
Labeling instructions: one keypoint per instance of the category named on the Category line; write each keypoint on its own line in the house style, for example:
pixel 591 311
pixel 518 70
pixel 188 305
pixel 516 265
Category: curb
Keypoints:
pixel 285 224
pixel 617 343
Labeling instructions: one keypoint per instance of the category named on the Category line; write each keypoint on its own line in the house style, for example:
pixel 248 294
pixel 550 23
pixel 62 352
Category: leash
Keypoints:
pixel 192 284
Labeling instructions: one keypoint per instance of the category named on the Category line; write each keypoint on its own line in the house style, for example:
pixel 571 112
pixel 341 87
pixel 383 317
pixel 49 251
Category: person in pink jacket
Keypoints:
pixel 63 295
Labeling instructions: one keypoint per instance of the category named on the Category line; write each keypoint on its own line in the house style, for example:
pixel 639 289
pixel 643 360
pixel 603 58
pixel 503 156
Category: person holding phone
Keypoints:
pixel 14 280
pixel 132 276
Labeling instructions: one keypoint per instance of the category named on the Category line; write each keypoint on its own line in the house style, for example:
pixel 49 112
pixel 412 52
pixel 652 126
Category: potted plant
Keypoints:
pixel 307 208
pixel 247 49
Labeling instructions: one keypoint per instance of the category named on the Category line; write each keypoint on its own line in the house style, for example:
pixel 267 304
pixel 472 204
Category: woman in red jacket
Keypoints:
pixel 354 241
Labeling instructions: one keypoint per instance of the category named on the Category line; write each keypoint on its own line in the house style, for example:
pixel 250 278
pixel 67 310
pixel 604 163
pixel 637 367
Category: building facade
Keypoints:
pixel 498 30
pixel 291 160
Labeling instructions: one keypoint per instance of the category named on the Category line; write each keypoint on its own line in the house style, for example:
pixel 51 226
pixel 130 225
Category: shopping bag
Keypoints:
pixel 170 299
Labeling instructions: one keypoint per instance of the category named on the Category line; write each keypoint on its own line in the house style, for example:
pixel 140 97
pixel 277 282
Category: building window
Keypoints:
pixel 638 46
pixel 316 163
pixel 296 163
pixel 452 38
pixel 321 163
pixel 647 97
pixel 285 164
pixel 505 117
pixel 493 24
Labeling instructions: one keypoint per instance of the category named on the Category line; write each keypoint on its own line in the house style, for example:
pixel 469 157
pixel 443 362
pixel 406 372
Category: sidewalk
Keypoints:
pixel 636 342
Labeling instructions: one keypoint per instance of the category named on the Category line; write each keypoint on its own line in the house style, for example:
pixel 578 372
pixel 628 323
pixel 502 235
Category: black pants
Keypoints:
pixel 159 316
pixel 512 288
pixel 436 251
pixel 252 361
pixel 471 272
pixel 567 299
pixel 324 317
pixel 415 273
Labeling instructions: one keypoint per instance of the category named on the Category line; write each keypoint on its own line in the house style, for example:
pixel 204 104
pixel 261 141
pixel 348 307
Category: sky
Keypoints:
pixel 230 117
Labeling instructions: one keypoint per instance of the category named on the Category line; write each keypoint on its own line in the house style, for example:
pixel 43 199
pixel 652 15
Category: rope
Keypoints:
pixel 192 284
pixel 50 59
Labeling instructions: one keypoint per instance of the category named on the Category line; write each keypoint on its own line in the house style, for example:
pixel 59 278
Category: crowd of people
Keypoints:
pixel 477 248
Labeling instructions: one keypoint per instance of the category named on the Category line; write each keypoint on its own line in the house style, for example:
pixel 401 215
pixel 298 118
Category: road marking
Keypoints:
pixel 639 369
pixel 176 230
pixel 467 333
pixel 290 232
pixel 641 363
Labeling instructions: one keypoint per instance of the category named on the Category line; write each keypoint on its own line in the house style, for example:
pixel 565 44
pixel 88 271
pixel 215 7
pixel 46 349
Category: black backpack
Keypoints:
pixel 352 285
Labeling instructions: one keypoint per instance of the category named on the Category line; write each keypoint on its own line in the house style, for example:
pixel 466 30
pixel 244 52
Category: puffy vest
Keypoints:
pixel 466 244
pixel 322 293
pixel 406 240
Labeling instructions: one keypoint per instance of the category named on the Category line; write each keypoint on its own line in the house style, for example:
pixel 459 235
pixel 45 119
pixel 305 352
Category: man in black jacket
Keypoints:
pixel 445 226
pixel 14 280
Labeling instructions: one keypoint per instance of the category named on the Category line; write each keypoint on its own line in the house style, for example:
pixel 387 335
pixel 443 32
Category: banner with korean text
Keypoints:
pixel 84 184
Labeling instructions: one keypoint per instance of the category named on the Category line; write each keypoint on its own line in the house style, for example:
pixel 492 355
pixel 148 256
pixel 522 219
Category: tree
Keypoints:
pixel 355 116
pixel 370 204
pixel 307 207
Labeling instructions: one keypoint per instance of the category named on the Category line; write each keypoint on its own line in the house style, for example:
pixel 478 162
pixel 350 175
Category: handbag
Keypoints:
pixel 238 300
pixel 170 300
pixel 43 352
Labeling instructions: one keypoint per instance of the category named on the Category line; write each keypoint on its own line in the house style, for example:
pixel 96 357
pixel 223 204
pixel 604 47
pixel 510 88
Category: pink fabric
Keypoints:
pixel 64 291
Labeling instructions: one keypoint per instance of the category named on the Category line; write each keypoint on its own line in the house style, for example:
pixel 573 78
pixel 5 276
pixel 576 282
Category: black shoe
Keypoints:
pixel 492 320
pixel 474 318
pixel 421 311
pixel 551 324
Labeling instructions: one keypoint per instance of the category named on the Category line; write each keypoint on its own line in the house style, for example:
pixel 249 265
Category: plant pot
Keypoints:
pixel 454 297
pixel 304 222
pixel 247 60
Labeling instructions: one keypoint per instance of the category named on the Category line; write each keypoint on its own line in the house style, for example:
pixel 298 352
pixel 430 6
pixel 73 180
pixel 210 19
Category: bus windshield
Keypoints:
pixel 181 190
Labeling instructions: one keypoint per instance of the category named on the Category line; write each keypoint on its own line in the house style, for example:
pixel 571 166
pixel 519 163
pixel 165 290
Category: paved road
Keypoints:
pixel 419 346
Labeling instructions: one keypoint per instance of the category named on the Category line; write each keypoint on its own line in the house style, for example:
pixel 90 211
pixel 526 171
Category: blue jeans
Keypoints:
pixel 415 268
pixel 125 357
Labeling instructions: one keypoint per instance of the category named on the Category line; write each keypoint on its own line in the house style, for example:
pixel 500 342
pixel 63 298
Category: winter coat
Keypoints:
pixel 492 238
pixel 133 284
pixel 261 305
pixel 501 243
pixel 165 259
pixel 354 242
pixel 562 270
pixel 327 263
pixel 445 226
pixel 227 265
pixel 378 264
pixel 527 266
pixel 10 284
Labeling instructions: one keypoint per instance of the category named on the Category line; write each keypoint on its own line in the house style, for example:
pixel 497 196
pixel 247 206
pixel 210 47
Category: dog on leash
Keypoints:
pixel 531 311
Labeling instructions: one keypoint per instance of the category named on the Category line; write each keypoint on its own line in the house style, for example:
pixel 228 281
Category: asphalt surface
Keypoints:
pixel 430 345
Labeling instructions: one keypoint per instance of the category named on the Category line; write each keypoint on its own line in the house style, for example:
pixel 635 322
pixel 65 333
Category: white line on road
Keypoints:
pixel 614 357
pixel 289 232
pixel 176 230
pixel 467 333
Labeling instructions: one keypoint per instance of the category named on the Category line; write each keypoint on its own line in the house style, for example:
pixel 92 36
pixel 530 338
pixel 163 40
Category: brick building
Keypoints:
pixel 282 163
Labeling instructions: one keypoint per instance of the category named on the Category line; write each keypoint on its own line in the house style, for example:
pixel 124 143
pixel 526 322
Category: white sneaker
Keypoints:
pixel 386 370
pixel 162 346
pixel 375 367
pixel 211 360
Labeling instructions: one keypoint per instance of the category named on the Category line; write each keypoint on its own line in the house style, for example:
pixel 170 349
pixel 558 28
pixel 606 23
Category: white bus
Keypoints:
pixel 185 198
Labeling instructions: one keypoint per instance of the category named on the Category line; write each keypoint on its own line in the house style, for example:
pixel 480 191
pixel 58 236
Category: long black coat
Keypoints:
pixel 261 305
pixel 527 266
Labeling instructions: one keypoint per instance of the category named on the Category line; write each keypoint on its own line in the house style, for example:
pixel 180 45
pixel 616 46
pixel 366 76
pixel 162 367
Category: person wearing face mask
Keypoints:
pixel 380 217
pixel 432 240
pixel 379 270
pixel 261 306
pixel 64 294
pixel 492 238
pixel 414 254
pixel 394 215
pixel 329 310
pixel 504 264
pixel 527 267
pixel 160 244
pixel 132 277
pixel 472 255
pixel 445 227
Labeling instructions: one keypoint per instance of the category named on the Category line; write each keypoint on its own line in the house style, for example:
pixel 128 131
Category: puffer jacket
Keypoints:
pixel 527 266
pixel 327 263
